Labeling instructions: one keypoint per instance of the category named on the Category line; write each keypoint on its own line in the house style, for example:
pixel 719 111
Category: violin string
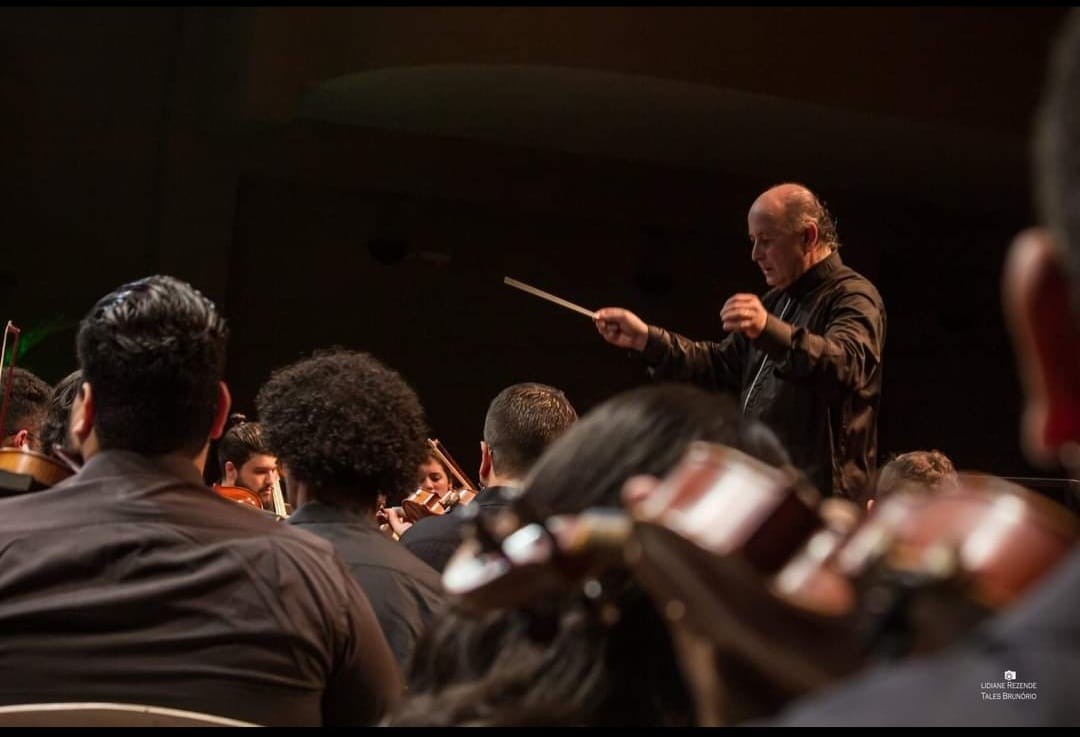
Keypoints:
pixel 60 452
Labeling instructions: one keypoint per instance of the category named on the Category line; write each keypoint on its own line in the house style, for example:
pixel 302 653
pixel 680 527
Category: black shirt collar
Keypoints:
pixel 318 512
pixel 495 497
pixel 127 462
pixel 815 276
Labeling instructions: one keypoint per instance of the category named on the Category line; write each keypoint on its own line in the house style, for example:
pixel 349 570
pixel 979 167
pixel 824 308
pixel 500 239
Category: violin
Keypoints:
pixel 238 494
pixel 807 581
pixel 503 564
pixel 928 568
pixel 30 470
pixel 918 572
pixel 423 503
pixel 729 503
pixel 1000 537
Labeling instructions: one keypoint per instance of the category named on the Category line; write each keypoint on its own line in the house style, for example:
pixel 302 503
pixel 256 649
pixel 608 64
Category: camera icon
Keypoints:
pixel 1010 675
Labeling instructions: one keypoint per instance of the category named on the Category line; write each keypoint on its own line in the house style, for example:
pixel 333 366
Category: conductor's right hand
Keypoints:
pixel 622 328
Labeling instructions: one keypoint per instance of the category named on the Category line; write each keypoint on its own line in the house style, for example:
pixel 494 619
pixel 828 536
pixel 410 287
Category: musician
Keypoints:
pixel 433 476
pixel 55 430
pixel 133 582
pixel 928 471
pixel 521 422
pixel 1038 639
pixel 346 428
pixel 245 461
pixel 805 357
pixel 26 409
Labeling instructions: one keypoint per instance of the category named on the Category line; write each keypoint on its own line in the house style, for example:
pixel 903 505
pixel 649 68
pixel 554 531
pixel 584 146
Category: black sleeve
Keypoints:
pixel 433 540
pixel 844 358
pixel 706 363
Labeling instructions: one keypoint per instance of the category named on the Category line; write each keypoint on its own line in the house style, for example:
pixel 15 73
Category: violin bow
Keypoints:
pixel 10 328
pixel 444 457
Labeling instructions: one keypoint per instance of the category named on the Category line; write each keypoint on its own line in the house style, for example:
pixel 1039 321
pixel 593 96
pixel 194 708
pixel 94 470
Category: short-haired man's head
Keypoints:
pixel 153 352
pixel 521 422
pixel 919 471
pixel 804 207
pixel 240 442
pixel 54 431
pixel 1057 149
pixel 343 423
pixel 26 406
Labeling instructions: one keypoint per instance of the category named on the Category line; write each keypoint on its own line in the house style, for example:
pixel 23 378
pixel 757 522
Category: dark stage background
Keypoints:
pixel 365 177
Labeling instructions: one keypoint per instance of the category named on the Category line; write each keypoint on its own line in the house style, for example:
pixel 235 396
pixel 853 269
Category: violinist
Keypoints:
pixel 24 465
pixel 926 471
pixel 156 590
pixel 56 439
pixel 520 423
pixel 345 428
pixel 245 461
pixel 26 408
pixel 441 485
pixel 434 494
pixel 1019 668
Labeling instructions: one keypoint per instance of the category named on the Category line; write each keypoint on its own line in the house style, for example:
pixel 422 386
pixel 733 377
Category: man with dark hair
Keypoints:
pixel 1019 668
pixel 805 357
pixel 26 409
pixel 347 430
pixel 245 460
pixel 55 438
pixel 133 582
pixel 521 422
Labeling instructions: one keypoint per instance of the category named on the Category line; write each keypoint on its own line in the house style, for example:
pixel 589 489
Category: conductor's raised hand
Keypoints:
pixel 622 328
pixel 744 313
